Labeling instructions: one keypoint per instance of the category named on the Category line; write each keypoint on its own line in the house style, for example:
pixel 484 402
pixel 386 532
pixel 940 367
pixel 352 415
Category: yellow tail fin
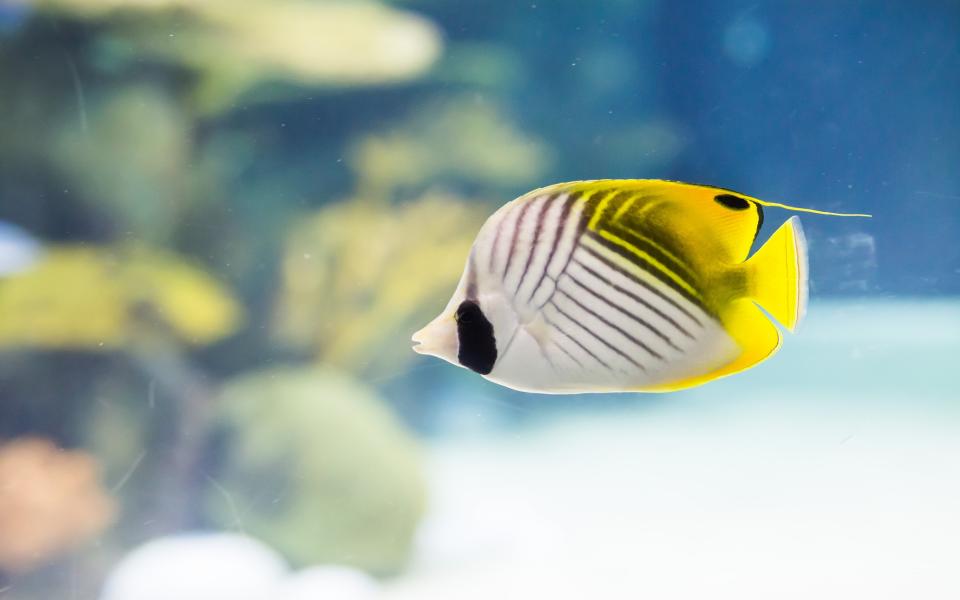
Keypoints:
pixel 777 274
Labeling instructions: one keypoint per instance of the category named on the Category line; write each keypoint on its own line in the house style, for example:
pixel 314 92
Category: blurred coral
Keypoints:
pixel 143 129
pixel 461 140
pixel 236 44
pixel 50 501
pixel 196 306
pixel 318 468
pixel 96 8
pixel 95 297
pixel 70 298
pixel 358 276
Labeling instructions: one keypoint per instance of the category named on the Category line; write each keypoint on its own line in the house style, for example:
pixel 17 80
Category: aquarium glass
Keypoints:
pixel 221 221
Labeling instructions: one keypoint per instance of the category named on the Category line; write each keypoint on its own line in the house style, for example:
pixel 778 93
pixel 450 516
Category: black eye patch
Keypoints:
pixel 732 202
pixel 478 347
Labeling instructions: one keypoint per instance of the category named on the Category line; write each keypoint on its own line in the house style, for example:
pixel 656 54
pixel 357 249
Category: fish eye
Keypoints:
pixel 466 311
pixel 732 202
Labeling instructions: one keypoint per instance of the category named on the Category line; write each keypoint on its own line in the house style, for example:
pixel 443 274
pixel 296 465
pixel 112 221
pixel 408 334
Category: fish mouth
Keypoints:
pixel 438 338
pixel 419 341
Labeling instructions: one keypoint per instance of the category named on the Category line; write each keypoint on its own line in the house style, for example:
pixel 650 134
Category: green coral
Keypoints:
pixel 142 129
pixel 355 303
pixel 316 466
pixel 232 46
pixel 98 297
pixel 462 140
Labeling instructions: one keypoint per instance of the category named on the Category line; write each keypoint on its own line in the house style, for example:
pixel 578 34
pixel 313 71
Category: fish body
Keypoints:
pixel 621 285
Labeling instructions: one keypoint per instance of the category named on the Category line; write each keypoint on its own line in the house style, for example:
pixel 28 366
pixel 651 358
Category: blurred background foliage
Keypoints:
pixel 355 281
pixel 322 472
pixel 221 220
pixel 115 296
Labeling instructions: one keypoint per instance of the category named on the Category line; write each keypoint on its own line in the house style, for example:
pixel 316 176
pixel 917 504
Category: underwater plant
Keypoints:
pixel 233 46
pixel 313 464
pixel 116 294
pixel 447 142
pixel 347 300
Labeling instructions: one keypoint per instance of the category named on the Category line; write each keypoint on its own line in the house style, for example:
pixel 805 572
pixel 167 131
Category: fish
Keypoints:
pixel 632 285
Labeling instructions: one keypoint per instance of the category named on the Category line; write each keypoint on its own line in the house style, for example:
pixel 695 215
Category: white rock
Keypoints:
pixel 202 566
pixel 18 249
pixel 327 583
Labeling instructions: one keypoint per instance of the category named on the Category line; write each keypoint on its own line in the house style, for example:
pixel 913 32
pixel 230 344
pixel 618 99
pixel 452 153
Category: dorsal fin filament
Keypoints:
pixel 809 210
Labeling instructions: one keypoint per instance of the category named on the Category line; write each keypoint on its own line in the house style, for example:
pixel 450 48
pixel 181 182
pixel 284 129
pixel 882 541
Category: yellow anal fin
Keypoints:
pixel 754 333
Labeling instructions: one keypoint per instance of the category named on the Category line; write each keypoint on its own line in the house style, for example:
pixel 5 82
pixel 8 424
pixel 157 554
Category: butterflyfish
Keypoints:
pixel 622 285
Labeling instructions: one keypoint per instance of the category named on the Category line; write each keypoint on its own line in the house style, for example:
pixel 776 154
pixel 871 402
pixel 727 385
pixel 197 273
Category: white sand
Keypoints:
pixel 832 471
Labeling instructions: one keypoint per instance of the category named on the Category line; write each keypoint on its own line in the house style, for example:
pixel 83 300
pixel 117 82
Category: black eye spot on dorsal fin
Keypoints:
pixel 732 202
pixel 478 347
pixel 759 220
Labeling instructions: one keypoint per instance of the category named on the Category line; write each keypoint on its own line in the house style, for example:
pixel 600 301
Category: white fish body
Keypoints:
pixel 622 285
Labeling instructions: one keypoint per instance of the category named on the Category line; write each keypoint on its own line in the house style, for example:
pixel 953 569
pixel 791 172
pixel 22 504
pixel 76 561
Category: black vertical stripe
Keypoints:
pixel 545 206
pixel 568 353
pixel 561 228
pixel 647 267
pixel 496 238
pixel 606 261
pixel 517 224
pixel 477 346
pixel 615 203
pixel 577 342
pixel 597 336
pixel 611 324
pixel 585 216
pixel 471 293
pixel 634 239
pixel 546 357
pixel 623 311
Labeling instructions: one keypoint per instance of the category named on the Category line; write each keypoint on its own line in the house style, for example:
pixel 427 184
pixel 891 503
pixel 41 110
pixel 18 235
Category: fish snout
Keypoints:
pixel 438 338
